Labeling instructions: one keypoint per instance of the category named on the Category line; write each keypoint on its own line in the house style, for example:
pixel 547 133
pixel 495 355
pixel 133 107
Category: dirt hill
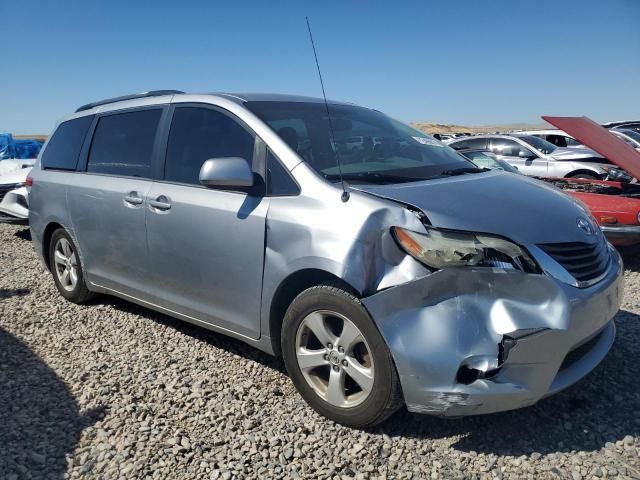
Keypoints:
pixel 432 128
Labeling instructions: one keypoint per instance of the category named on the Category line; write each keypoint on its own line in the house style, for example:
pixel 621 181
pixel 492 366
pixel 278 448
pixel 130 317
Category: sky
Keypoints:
pixel 470 62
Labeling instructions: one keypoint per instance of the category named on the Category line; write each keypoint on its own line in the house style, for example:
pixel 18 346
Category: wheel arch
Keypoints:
pixel 583 171
pixel 46 240
pixel 290 288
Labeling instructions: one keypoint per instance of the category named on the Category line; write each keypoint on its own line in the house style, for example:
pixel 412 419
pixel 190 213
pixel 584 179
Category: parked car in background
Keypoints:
pixel 360 267
pixel 449 137
pixel 17 156
pixel 629 124
pixel 14 198
pixel 483 159
pixel 628 136
pixel 539 158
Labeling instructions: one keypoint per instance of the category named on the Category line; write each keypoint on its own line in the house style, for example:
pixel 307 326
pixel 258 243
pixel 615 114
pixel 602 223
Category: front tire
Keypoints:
pixel 66 268
pixel 337 359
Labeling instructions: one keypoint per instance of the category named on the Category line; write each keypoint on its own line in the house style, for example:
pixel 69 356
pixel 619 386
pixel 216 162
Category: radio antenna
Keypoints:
pixel 345 193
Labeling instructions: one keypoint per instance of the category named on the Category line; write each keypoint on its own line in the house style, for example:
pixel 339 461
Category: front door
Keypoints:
pixel 206 246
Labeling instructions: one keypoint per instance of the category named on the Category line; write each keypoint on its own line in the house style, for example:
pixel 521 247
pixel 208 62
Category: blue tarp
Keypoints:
pixel 21 149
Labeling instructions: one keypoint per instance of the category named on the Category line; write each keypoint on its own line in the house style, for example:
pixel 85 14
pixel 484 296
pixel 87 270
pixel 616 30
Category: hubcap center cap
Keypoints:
pixel 334 358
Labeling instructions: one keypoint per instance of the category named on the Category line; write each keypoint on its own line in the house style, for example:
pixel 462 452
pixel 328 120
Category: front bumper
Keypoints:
pixel 622 234
pixel 14 206
pixel 532 335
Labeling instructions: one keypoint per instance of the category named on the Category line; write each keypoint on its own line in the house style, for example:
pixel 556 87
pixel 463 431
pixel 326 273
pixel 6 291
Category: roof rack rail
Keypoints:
pixel 152 93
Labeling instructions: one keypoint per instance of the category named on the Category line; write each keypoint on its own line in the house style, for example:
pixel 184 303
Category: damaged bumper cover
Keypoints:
pixel 470 341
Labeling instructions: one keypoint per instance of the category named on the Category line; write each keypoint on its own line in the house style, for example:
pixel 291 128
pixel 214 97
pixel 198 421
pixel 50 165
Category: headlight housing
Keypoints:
pixel 446 248
pixel 617 174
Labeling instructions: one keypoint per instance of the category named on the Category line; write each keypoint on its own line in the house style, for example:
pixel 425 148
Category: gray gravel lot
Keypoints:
pixel 112 390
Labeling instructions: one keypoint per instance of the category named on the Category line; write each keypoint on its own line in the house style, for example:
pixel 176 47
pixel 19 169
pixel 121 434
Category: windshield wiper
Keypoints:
pixel 373 177
pixel 462 171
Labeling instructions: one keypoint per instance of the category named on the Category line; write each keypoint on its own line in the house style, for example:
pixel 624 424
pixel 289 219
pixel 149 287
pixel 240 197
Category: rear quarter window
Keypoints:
pixel 64 147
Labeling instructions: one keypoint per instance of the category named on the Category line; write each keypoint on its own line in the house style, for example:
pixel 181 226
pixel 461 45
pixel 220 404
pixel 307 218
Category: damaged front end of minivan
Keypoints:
pixel 473 341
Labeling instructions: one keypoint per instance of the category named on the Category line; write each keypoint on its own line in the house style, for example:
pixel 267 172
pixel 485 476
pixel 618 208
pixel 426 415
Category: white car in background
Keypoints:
pixel 14 198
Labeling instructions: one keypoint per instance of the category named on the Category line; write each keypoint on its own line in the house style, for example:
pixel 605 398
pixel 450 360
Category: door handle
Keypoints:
pixel 162 202
pixel 133 198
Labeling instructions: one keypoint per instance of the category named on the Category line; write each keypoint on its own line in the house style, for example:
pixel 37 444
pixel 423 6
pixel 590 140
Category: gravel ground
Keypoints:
pixel 112 390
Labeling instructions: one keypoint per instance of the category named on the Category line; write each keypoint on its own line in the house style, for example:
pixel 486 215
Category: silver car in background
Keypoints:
pixel 390 272
pixel 536 157
pixel 628 136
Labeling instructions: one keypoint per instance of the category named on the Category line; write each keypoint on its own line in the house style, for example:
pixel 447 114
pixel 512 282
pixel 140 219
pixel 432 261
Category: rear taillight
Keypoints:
pixel 29 181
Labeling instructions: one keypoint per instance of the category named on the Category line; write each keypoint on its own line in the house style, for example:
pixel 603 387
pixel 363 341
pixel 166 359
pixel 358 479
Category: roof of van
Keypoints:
pixel 165 96
pixel 273 97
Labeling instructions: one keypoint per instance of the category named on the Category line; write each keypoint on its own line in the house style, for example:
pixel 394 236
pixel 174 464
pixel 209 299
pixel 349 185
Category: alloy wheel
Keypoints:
pixel 66 264
pixel 334 358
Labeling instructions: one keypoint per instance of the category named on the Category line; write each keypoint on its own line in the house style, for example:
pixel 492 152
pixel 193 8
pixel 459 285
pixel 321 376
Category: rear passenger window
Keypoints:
pixel 557 140
pixel 123 143
pixel 198 134
pixel 64 146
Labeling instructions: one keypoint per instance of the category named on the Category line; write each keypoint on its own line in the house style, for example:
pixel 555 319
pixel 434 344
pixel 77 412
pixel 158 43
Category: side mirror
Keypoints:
pixel 226 172
pixel 526 156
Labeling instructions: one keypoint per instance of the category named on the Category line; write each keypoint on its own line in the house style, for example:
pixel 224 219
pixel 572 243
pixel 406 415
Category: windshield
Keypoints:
pixel 539 144
pixel 631 134
pixel 370 147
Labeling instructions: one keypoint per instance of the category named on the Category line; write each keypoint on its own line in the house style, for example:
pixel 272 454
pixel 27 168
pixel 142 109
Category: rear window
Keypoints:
pixel 64 146
pixel 123 143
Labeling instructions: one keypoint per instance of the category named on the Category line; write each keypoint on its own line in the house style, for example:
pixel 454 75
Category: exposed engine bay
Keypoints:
pixel 631 190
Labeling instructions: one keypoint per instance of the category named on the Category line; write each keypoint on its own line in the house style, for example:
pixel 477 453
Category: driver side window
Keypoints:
pixel 198 134
pixel 510 148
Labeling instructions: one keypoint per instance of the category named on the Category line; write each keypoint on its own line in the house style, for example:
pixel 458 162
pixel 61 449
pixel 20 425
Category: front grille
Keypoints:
pixel 585 261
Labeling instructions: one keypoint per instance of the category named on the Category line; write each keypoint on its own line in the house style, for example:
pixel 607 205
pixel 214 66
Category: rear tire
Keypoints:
pixel 337 359
pixel 66 267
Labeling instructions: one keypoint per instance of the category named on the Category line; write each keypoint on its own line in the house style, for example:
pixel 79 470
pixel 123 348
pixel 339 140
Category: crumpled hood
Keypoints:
pixel 514 206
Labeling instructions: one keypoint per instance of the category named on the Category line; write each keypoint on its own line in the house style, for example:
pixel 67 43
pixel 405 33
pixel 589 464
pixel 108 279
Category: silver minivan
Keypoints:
pixel 386 272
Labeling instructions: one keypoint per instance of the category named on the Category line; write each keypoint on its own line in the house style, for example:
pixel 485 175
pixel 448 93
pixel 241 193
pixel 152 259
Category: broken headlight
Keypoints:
pixel 443 248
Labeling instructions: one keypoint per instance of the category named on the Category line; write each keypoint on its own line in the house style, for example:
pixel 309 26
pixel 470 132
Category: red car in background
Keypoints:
pixel 614 205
